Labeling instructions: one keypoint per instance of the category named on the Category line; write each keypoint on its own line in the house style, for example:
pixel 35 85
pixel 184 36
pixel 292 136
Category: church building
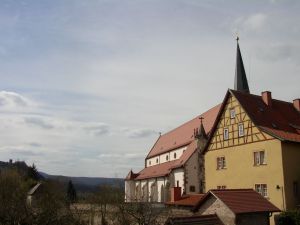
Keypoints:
pixel 248 141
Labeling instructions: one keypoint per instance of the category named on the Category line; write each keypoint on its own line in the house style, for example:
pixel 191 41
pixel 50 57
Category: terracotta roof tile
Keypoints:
pixel 164 169
pixel 184 134
pixel 241 201
pixel 280 120
pixel 187 200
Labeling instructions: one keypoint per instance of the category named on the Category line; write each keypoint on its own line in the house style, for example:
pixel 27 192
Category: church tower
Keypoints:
pixel 240 80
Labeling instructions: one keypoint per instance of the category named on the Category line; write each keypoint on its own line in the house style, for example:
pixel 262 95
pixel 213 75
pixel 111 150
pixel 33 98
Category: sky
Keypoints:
pixel 87 85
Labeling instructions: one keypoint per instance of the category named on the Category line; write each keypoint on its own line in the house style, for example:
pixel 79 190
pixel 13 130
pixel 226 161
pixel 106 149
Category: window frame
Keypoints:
pixel 227 132
pixel 221 163
pixel 258 159
pixel 232 113
pixel 261 189
pixel 241 132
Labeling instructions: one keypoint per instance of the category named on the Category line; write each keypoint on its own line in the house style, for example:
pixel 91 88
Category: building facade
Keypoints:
pixel 175 160
pixel 251 141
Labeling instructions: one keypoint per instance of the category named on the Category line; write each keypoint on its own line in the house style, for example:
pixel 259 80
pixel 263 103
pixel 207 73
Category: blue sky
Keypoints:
pixel 86 86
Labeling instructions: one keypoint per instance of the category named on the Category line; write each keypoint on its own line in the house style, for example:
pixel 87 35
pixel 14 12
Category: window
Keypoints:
pixel 232 113
pixel 156 160
pixel 177 183
pixel 259 158
pixel 167 157
pixel 149 163
pixel 241 130
pixel 261 189
pixel 221 163
pixel 226 134
pixel 295 188
pixel 192 189
pixel 221 187
pixel 175 155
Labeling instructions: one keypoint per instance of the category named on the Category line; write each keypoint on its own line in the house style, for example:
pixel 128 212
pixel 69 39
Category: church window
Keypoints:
pixel 232 113
pixel 259 158
pixel 226 134
pixel 192 188
pixel 221 163
pixel 167 157
pixel 175 155
pixel 241 130
pixel 262 189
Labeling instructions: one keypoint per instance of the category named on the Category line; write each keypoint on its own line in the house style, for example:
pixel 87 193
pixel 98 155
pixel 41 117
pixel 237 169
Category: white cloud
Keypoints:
pixel 254 22
pixel 141 133
pixel 12 100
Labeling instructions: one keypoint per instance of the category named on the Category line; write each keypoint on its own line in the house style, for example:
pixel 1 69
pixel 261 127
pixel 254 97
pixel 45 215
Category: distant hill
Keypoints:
pixel 86 184
pixel 82 184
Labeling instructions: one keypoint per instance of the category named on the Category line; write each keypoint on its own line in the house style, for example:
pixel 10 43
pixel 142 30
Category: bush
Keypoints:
pixel 289 218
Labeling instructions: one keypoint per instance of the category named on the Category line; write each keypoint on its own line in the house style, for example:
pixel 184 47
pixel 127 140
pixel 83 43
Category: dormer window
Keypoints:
pixel 232 113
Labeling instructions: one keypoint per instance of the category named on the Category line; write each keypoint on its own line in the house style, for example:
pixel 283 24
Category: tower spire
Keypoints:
pixel 240 81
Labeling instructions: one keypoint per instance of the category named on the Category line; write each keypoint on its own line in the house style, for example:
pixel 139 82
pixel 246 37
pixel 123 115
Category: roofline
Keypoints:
pixel 167 150
pixel 153 146
pixel 216 122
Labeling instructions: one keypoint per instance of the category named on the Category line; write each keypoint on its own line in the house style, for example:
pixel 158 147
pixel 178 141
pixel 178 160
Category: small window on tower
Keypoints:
pixel 175 155
pixel 226 134
pixel 167 157
pixel 156 160
pixel 232 113
pixel 149 163
pixel 192 188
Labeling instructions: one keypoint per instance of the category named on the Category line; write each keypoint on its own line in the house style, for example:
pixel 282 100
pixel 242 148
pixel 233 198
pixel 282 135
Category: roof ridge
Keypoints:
pixel 191 120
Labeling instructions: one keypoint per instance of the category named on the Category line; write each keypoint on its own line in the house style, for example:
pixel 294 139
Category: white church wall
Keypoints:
pixel 179 178
pixel 160 183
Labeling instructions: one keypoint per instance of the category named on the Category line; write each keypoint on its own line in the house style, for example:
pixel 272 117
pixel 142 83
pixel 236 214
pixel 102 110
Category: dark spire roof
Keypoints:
pixel 240 81
pixel 200 133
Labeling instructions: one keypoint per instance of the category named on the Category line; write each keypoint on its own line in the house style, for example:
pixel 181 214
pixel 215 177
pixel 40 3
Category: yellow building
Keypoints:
pixel 255 143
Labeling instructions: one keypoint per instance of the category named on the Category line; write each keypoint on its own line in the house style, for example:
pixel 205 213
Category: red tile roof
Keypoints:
pixel 196 220
pixel 164 169
pixel 184 134
pixel 280 120
pixel 187 200
pixel 240 201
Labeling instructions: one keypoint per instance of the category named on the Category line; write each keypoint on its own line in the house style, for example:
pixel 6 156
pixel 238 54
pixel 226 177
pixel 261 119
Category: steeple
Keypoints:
pixel 240 81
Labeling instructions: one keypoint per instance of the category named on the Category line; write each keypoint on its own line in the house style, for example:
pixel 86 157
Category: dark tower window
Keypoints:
pixel 167 157
pixel 175 155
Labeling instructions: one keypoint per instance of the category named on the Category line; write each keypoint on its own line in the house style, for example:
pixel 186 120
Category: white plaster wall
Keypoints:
pixel 160 182
pixel 162 158
pixel 129 190
pixel 178 152
pixel 150 182
pixel 179 176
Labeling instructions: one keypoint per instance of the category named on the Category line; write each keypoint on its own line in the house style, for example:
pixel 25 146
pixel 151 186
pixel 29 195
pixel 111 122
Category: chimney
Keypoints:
pixel 296 104
pixel 175 194
pixel 267 98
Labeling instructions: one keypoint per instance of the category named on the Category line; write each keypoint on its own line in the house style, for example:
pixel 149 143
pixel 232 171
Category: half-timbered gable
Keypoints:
pixel 235 127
